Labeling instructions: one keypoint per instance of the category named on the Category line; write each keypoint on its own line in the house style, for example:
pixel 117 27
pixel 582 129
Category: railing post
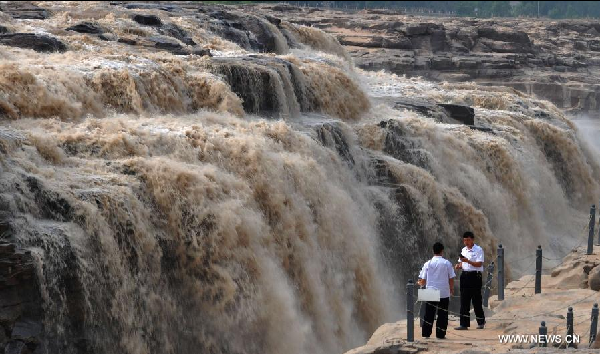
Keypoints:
pixel 594 325
pixel 570 327
pixel 422 313
pixel 410 313
pixel 590 248
pixel 598 243
pixel 500 273
pixel 488 284
pixel 538 270
pixel 543 332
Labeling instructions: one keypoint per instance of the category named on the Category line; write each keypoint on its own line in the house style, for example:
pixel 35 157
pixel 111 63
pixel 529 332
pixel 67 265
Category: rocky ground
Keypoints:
pixel 574 283
pixel 555 60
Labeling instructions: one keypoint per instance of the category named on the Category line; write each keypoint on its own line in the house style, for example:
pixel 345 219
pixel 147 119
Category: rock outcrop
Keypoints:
pixel 86 27
pixel 148 20
pixel 38 42
pixel 577 272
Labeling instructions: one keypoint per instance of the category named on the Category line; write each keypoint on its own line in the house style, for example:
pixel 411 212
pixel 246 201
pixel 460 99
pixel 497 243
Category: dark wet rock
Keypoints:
pixel 144 6
pixel 594 45
pixel 423 107
pixel 332 136
pixel 244 79
pixel 255 78
pixel 274 20
pixel 581 45
pixel 3 339
pixel 172 30
pixel 482 129
pixel 23 10
pixel 168 44
pixel 21 309
pixel 248 31
pixel 399 144
pixel 560 68
pixel 27 330
pixel 464 114
pixel 52 204
pixel 38 42
pixel 202 52
pixel 241 38
pixel 441 112
pixel 147 20
pixel 6 248
pixel 16 347
pixel 110 37
pixel 129 41
pixel 86 27
pixel 3 29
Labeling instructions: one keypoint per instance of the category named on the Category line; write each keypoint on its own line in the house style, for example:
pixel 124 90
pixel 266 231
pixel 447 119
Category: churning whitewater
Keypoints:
pixel 270 198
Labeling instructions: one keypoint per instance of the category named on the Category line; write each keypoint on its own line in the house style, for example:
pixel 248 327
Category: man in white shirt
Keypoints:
pixel 471 263
pixel 437 273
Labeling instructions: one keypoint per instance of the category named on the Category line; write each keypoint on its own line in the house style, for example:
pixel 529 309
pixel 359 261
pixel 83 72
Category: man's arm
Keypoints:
pixel 423 275
pixel 475 264
pixel 451 276
pixel 478 261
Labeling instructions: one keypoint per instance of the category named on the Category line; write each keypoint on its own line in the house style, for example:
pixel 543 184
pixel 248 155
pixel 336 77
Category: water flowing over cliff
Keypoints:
pixel 210 179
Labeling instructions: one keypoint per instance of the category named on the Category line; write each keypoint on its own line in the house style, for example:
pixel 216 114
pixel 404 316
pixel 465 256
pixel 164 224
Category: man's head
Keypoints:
pixel 438 248
pixel 468 239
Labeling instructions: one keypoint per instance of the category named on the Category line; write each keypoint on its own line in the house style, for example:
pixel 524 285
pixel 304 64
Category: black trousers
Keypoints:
pixel 470 292
pixel 442 317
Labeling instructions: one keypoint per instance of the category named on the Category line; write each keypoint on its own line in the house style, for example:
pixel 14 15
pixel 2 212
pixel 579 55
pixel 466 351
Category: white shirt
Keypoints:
pixel 475 254
pixel 437 271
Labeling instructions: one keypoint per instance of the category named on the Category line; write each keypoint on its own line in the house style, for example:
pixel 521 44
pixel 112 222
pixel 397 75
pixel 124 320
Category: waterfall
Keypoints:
pixel 270 198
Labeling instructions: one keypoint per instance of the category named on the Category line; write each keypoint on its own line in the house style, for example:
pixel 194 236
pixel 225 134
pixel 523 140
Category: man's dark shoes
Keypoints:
pixel 481 326
pixel 461 328
pixel 441 337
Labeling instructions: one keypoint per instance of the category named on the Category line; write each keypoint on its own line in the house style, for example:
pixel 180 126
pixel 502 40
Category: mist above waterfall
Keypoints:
pixel 268 198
